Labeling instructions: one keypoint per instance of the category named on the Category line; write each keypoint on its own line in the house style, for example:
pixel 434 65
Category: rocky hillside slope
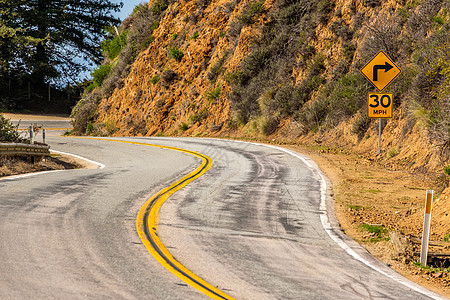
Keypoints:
pixel 281 68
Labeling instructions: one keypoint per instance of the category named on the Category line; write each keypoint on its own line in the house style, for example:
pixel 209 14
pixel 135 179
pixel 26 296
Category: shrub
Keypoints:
pixel 155 25
pixel 234 78
pixel 252 11
pixel 214 94
pixel 312 116
pixel 100 74
pixel 155 79
pixel 235 29
pixel 199 116
pixel 85 111
pixel 176 54
pixel 325 7
pixel 159 7
pixel 168 76
pixel 89 127
pixel 269 125
pixel 112 47
pixel 146 42
pixel 349 51
pixel 371 3
pixel 216 69
pixel 447 170
pixel 195 36
pixel 9 133
pixel 446 238
pixel 183 127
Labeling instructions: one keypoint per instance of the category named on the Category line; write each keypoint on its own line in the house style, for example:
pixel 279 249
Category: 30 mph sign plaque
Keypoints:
pixel 379 105
pixel 381 70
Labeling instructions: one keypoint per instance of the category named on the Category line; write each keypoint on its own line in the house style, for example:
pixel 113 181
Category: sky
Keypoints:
pixel 127 9
pixel 128 6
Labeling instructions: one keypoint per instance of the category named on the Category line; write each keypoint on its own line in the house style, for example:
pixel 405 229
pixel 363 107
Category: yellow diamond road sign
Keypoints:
pixel 381 71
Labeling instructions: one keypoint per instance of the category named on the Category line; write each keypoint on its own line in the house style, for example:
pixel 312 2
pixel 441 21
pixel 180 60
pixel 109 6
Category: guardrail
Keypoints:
pixel 12 149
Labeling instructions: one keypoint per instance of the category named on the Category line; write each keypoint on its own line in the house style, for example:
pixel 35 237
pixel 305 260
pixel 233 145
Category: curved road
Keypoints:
pixel 252 226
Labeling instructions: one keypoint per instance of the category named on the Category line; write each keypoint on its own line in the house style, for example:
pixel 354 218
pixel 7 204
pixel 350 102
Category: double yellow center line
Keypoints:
pixel 147 225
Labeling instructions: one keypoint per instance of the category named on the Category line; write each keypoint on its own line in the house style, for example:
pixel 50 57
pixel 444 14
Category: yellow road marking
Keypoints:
pixel 46 129
pixel 147 224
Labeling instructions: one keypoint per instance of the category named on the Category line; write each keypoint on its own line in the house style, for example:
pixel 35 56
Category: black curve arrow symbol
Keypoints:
pixel 386 67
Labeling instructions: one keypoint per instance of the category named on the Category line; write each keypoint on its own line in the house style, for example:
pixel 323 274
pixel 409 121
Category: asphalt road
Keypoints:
pixel 254 226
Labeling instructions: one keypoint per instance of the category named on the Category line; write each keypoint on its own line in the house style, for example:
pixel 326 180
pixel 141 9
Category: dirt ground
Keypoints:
pixel 10 166
pixel 35 117
pixel 369 194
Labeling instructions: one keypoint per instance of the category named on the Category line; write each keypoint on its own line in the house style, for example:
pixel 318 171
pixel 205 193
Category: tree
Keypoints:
pixel 13 42
pixel 53 39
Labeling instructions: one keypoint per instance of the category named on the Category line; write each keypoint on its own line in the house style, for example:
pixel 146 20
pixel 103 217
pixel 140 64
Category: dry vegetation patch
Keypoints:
pixel 10 166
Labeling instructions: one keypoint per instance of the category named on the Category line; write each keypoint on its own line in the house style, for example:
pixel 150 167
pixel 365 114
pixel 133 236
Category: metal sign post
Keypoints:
pixel 379 136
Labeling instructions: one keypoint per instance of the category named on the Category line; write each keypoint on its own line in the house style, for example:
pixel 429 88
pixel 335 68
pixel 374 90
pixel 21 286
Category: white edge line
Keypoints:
pixel 100 165
pixel 337 238
pixel 14 177
pixel 324 218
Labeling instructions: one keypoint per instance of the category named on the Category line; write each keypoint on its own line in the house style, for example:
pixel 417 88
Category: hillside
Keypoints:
pixel 289 68
pixel 284 71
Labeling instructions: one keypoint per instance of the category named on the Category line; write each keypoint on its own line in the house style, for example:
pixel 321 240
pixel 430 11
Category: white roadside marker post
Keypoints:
pixel 31 135
pixel 426 228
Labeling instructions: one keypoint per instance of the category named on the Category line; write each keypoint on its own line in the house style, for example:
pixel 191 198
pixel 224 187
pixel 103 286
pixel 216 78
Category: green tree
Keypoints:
pixel 53 39
pixel 14 42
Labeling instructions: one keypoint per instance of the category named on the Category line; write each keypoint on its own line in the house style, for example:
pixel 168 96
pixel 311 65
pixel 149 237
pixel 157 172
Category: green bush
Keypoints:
pixel 447 170
pixel 9 133
pixel 159 7
pixel 176 54
pixel 146 42
pixel 155 79
pixel 89 127
pixel 183 127
pixel 112 47
pixel 100 74
pixel 446 238
pixel 199 116
pixel 216 69
pixel 252 11
pixel 214 94
pixel 195 36
pixel 325 7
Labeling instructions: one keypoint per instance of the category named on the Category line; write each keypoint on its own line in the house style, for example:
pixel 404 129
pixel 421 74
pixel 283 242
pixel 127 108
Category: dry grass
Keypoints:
pixel 21 165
